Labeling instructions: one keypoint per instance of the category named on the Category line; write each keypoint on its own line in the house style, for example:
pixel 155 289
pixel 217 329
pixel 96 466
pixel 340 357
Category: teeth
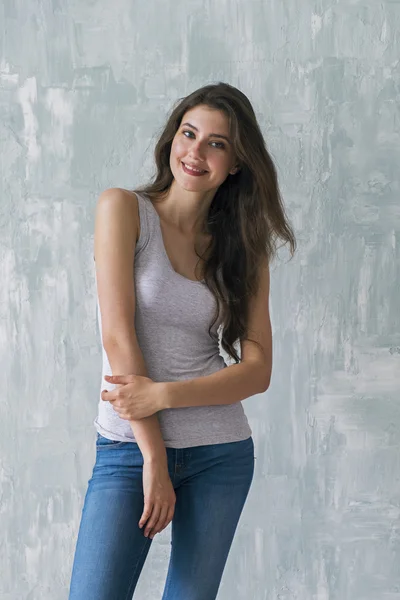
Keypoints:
pixel 193 169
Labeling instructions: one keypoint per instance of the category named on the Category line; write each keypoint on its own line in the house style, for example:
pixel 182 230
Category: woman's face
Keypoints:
pixel 202 142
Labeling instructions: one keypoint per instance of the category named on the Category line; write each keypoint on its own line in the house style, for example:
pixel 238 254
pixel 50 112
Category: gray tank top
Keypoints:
pixel 172 316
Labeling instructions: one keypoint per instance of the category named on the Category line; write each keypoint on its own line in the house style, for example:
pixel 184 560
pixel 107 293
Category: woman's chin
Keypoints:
pixel 191 183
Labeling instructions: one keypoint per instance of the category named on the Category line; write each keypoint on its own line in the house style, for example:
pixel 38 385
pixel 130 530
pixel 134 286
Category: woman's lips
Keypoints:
pixel 192 172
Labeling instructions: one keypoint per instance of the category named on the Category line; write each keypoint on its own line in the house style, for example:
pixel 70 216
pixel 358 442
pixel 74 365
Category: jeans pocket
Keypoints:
pixel 103 443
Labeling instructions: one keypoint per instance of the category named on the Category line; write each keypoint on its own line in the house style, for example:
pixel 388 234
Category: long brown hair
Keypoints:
pixel 246 216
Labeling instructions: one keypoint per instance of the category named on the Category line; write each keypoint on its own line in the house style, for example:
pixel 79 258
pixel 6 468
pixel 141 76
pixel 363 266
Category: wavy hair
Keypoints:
pixel 246 217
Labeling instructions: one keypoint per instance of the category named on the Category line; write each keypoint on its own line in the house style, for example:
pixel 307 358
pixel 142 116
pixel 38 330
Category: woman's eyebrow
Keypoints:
pixel 218 135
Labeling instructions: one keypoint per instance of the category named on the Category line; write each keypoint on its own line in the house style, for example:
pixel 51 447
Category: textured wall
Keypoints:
pixel 84 88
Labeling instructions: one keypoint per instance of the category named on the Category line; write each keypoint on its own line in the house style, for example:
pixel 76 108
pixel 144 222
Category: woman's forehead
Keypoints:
pixel 204 117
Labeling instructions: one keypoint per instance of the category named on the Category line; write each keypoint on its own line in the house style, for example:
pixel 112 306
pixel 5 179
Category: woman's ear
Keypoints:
pixel 234 170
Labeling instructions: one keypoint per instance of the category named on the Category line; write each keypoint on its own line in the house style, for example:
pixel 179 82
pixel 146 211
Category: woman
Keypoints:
pixel 173 442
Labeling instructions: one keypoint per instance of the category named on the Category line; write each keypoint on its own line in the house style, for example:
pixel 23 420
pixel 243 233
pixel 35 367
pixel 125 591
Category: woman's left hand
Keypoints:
pixel 136 397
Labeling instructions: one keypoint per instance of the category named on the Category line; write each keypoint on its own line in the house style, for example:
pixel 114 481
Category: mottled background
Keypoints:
pixel 84 90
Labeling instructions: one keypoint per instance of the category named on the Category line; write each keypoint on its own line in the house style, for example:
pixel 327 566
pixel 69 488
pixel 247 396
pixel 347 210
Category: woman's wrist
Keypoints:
pixel 163 395
pixel 149 438
pixel 155 453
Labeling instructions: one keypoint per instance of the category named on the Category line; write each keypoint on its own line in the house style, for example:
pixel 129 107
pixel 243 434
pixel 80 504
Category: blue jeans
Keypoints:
pixel 211 485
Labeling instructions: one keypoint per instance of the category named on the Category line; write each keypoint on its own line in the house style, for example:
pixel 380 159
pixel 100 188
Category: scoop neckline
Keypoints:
pixel 167 260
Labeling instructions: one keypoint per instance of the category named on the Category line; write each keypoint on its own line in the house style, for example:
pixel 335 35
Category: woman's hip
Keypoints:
pixel 120 464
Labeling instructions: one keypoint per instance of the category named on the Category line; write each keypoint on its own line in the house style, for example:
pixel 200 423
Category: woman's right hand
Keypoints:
pixel 159 497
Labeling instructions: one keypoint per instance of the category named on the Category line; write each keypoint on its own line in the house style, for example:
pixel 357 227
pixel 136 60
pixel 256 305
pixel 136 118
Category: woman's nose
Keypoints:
pixel 197 149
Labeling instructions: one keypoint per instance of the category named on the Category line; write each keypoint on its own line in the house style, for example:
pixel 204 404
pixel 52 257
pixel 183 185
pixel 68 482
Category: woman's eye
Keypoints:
pixel 218 145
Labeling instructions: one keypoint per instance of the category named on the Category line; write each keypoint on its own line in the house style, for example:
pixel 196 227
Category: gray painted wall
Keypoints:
pixel 84 88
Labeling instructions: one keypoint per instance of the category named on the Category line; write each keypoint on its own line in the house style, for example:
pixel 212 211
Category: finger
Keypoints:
pixel 170 515
pixel 153 519
pixel 168 518
pixel 114 378
pixel 111 395
pixel 148 507
pixel 161 523
pixel 120 378
pixel 121 410
pixel 125 416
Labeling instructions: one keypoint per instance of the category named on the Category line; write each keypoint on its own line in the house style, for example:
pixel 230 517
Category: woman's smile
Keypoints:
pixel 192 170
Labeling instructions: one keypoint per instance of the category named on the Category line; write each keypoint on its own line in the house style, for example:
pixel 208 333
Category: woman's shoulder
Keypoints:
pixel 122 202
pixel 124 199
pixel 118 195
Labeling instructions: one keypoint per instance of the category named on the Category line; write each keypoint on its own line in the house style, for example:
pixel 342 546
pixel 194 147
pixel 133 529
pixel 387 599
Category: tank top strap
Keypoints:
pixel 148 223
pixel 151 237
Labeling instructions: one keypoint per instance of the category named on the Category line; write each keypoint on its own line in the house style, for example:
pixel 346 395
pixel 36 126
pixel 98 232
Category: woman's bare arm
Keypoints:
pixel 116 232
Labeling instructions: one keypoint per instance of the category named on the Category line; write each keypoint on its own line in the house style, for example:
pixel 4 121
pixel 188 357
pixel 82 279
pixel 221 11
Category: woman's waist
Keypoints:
pixel 189 426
